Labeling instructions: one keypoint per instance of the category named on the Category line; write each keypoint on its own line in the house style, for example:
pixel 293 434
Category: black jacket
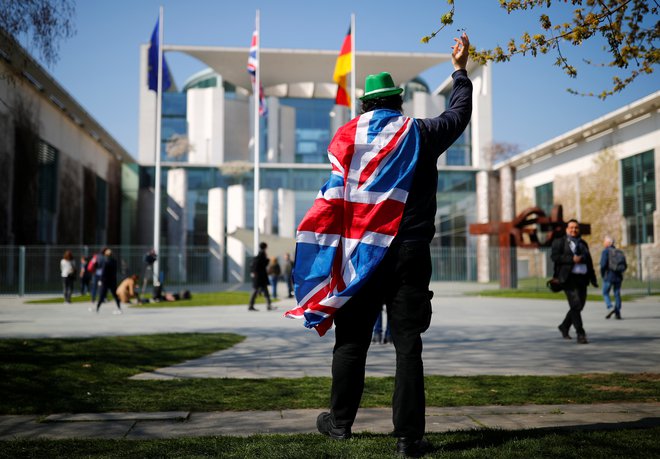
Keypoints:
pixel 258 270
pixel 437 135
pixel 562 256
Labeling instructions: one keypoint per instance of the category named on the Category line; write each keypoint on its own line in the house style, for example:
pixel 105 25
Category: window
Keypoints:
pixel 173 123
pixel 101 210
pixel 638 186
pixel 47 192
pixel 312 128
pixel 544 198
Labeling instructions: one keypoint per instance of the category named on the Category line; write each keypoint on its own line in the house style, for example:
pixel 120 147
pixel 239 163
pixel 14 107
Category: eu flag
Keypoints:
pixel 153 63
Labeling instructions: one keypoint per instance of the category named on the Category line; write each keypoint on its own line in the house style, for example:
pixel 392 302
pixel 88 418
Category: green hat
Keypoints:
pixel 379 85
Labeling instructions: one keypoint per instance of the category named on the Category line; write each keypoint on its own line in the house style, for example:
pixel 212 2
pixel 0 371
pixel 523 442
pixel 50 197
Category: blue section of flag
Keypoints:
pixel 315 263
pixel 153 63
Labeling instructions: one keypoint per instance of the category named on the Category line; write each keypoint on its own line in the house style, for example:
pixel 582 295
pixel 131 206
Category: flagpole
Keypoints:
pixel 353 100
pixel 256 90
pixel 157 185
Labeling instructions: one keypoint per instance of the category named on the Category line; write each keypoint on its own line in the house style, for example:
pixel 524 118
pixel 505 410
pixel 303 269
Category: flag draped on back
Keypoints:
pixel 356 215
pixel 252 66
pixel 154 49
pixel 343 68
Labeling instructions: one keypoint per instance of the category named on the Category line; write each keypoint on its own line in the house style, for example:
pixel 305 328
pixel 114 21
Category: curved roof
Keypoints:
pixel 307 66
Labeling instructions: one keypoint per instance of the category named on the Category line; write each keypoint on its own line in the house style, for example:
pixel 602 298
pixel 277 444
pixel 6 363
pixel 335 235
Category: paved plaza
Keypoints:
pixel 469 335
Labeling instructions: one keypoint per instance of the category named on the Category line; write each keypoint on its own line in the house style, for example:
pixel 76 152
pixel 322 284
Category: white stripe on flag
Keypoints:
pixel 310 237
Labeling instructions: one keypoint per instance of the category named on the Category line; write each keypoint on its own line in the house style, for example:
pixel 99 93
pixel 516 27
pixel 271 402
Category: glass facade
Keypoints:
pixel 312 128
pixel 638 185
pixel 173 124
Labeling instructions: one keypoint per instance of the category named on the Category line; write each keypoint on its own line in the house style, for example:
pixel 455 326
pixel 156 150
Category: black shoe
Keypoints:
pixel 564 332
pixel 413 448
pixel 326 426
pixel 618 317
pixel 271 308
pixel 609 314
pixel 252 309
pixel 582 339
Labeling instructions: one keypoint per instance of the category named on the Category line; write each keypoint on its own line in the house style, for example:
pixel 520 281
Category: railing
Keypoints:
pixel 36 269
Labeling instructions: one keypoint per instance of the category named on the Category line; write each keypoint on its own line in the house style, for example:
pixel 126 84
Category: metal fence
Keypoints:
pixel 36 269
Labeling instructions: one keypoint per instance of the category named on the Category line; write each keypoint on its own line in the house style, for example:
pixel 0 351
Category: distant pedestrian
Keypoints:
pixel 287 271
pixel 575 270
pixel 148 275
pixel 85 276
pixel 612 266
pixel 378 336
pixel 94 266
pixel 274 272
pixel 259 277
pixel 68 273
pixel 108 280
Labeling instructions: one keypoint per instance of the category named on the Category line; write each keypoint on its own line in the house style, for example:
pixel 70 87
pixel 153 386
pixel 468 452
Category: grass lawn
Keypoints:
pixel 496 444
pixel 198 299
pixel 76 375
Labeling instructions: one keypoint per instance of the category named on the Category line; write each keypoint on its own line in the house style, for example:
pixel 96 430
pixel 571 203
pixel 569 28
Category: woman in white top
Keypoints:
pixel 68 270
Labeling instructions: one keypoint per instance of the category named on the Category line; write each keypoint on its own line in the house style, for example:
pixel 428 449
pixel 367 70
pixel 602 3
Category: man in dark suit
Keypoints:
pixel 575 270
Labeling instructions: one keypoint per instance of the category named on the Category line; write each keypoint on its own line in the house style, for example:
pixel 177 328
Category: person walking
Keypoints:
pixel 68 273
pixel 612 266
pixel 574 269
pixel 259 277
pixel 274 272
pixel 85 276
pixel 378 337
pixel 287 270
pixel 366 242
pixel 108 280
pixel 94 267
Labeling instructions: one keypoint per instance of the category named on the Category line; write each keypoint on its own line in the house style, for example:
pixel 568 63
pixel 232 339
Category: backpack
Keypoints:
pixel 91 264
pixel 616 261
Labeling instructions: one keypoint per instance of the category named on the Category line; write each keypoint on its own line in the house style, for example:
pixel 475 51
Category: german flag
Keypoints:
pixel 343 68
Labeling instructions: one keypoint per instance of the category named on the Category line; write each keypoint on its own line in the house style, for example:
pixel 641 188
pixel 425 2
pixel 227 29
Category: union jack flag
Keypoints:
pixel 252 65
pixel 356 215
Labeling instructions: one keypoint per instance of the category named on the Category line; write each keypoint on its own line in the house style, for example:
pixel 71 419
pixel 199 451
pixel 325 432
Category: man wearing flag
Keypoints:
pixel 366 242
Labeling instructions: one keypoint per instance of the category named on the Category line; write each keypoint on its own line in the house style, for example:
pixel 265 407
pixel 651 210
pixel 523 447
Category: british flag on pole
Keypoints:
pixel 252 67
pixel 356 215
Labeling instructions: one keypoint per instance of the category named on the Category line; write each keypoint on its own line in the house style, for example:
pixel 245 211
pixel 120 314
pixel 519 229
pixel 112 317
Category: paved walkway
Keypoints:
pixel 468 336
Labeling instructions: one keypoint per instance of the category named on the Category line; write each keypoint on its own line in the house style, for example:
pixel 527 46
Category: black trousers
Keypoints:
pixel 105 288
pixel 401 283
pixel 261 289
pixel 575 289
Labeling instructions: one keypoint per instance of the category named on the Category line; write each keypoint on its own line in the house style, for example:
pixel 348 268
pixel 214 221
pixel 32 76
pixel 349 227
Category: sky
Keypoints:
pixel 99 65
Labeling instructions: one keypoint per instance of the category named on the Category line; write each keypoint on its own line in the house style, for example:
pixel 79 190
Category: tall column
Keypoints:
pixel 507 194
pixel 216 232
pixel 235 219
pixel 483 249
pixel 266 204
pixel 177 187
pixel 286 212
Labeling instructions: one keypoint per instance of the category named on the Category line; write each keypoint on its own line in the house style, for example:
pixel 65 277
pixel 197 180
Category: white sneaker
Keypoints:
pixel 117 311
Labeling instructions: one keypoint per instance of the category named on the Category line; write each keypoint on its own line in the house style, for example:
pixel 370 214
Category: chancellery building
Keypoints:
pixel 68 182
